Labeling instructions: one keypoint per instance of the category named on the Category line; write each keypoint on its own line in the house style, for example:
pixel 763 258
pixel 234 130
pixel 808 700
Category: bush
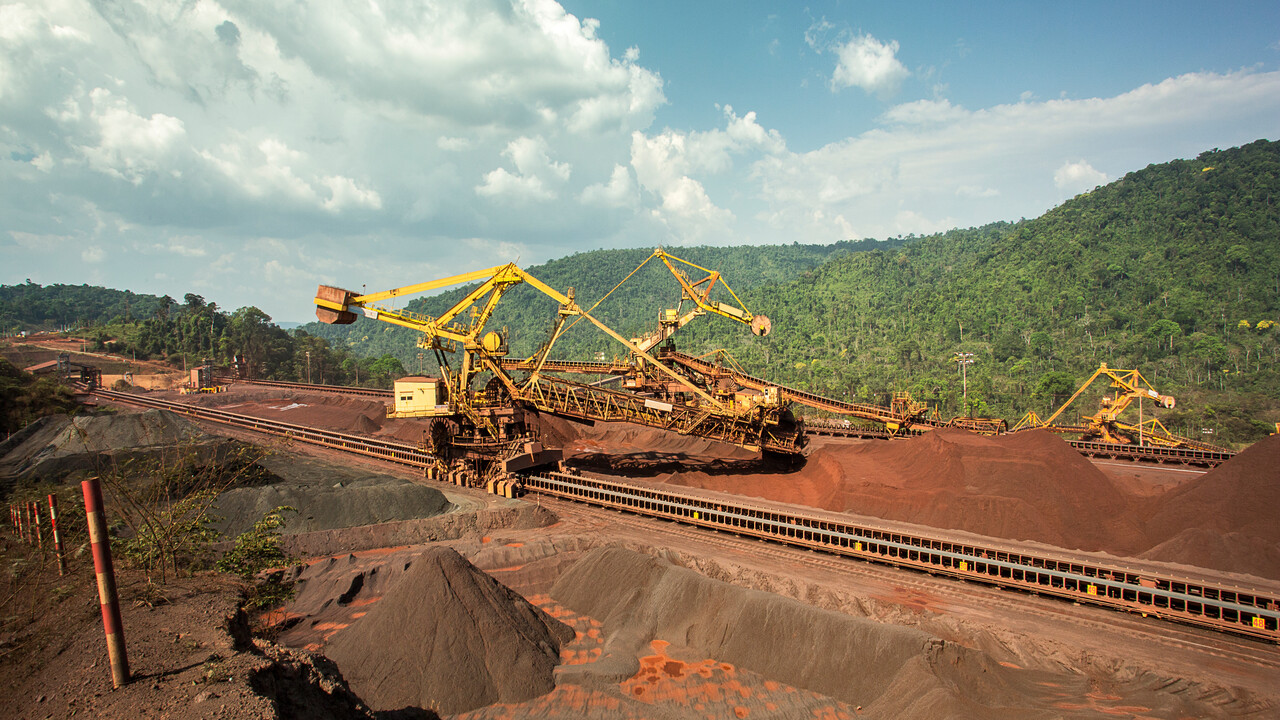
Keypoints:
pixel 258 549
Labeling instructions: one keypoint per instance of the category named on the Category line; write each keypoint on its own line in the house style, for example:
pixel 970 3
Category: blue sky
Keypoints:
pixel 248 151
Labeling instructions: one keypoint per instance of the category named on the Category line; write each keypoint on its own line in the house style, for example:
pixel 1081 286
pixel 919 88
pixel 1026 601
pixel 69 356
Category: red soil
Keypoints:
pixel 1027 486
pixel 1228 518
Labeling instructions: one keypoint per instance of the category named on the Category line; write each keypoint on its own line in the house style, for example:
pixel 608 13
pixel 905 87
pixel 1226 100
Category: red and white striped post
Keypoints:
pixel 22 525
pixel 106 581
pixel 31 525
pixel 57 537
pixel 35 515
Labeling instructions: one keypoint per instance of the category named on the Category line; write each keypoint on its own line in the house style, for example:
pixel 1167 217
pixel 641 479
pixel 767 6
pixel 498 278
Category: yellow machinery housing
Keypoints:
pixel 420 396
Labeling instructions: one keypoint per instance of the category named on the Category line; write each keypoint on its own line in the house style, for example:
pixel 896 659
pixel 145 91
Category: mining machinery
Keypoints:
pixel 1105 424
pixel 78 372
pixel 481 433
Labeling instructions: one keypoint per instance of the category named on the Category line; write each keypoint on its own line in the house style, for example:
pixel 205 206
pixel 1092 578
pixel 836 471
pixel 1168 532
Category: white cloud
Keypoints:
pixel 500 183
pixel 264 171
pixel 976 191
pixel 93 254
pixel 344 193
pixel 923 112
pixel 666 163
pixel 453 144
pixel 18 22
pixel 861 60
pixel 620 191
pixel 1078 176
pixel 535 173
pixel 487 62
pixel 184 245
pixel 1009 155
pixel 129 146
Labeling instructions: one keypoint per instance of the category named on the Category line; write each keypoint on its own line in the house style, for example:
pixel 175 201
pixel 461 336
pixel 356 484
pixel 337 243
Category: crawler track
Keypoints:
pixel 1204 601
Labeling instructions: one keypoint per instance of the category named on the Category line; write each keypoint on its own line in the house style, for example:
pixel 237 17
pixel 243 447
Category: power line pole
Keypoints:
pixel 965 359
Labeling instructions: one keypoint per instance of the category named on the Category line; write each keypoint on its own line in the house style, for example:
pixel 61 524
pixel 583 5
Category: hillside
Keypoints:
pixel 1171 269
pixel 31 306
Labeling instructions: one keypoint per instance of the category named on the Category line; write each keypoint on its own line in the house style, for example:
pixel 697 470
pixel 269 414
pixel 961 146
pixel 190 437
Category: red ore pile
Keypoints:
pixel 449 638
pixel 1228 518
pixel 1025 486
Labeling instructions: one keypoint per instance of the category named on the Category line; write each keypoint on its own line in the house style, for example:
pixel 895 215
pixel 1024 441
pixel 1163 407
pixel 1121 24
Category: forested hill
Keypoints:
pixel 31 306
pixel 1172 270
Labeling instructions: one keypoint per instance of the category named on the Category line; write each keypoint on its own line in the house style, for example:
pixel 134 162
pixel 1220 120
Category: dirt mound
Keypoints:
pixel 1025 486
pixel 641 451
pixel 320 507
pixel 449 638
pixel 1228 518
pixel 890 671
pixel 405 430
pixel 331 412
pixel 327 496
pixel 58 446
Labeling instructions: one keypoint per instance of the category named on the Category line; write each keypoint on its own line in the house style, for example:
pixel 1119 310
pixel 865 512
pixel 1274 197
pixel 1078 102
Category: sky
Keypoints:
pixel 248 151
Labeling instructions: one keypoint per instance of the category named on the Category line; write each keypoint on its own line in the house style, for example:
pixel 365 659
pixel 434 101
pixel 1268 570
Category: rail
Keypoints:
pixel 399 453
pixel 1243 611
pixel 340 389
pixel 1251 612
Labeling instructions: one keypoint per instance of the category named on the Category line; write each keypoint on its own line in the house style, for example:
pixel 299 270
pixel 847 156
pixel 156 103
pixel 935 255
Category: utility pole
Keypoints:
pixel 308 367
pixel 1140 421
pixel 965 359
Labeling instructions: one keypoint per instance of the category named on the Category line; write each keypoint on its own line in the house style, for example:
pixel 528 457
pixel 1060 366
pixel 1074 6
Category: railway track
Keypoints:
pixel 1145 453
pixel 1205 601
pixel 961 595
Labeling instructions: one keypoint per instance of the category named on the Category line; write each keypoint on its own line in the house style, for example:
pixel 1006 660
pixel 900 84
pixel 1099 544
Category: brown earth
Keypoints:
pixel 652 640
pixel 657 640
pixel 449 638
pixel 189 649
pixel 1228 518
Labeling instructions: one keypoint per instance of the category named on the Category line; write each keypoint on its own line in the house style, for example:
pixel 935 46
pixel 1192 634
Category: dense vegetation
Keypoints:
pixel 195 332
pixel 23 398
pixel 1172 270
pixel 31 306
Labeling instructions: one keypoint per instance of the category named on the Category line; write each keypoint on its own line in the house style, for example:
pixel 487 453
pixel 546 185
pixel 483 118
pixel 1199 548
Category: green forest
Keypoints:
pixel 188 333
pixel 1171 270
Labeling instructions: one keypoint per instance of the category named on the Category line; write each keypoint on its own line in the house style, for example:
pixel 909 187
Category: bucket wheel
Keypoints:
pixel 440 434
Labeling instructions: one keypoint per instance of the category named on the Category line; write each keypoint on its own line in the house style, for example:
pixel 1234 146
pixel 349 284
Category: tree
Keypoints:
pixel 1054 386
pixel 1161 329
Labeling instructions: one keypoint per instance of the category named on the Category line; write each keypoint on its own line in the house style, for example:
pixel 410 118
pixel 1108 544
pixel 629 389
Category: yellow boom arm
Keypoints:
pixel 338 306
